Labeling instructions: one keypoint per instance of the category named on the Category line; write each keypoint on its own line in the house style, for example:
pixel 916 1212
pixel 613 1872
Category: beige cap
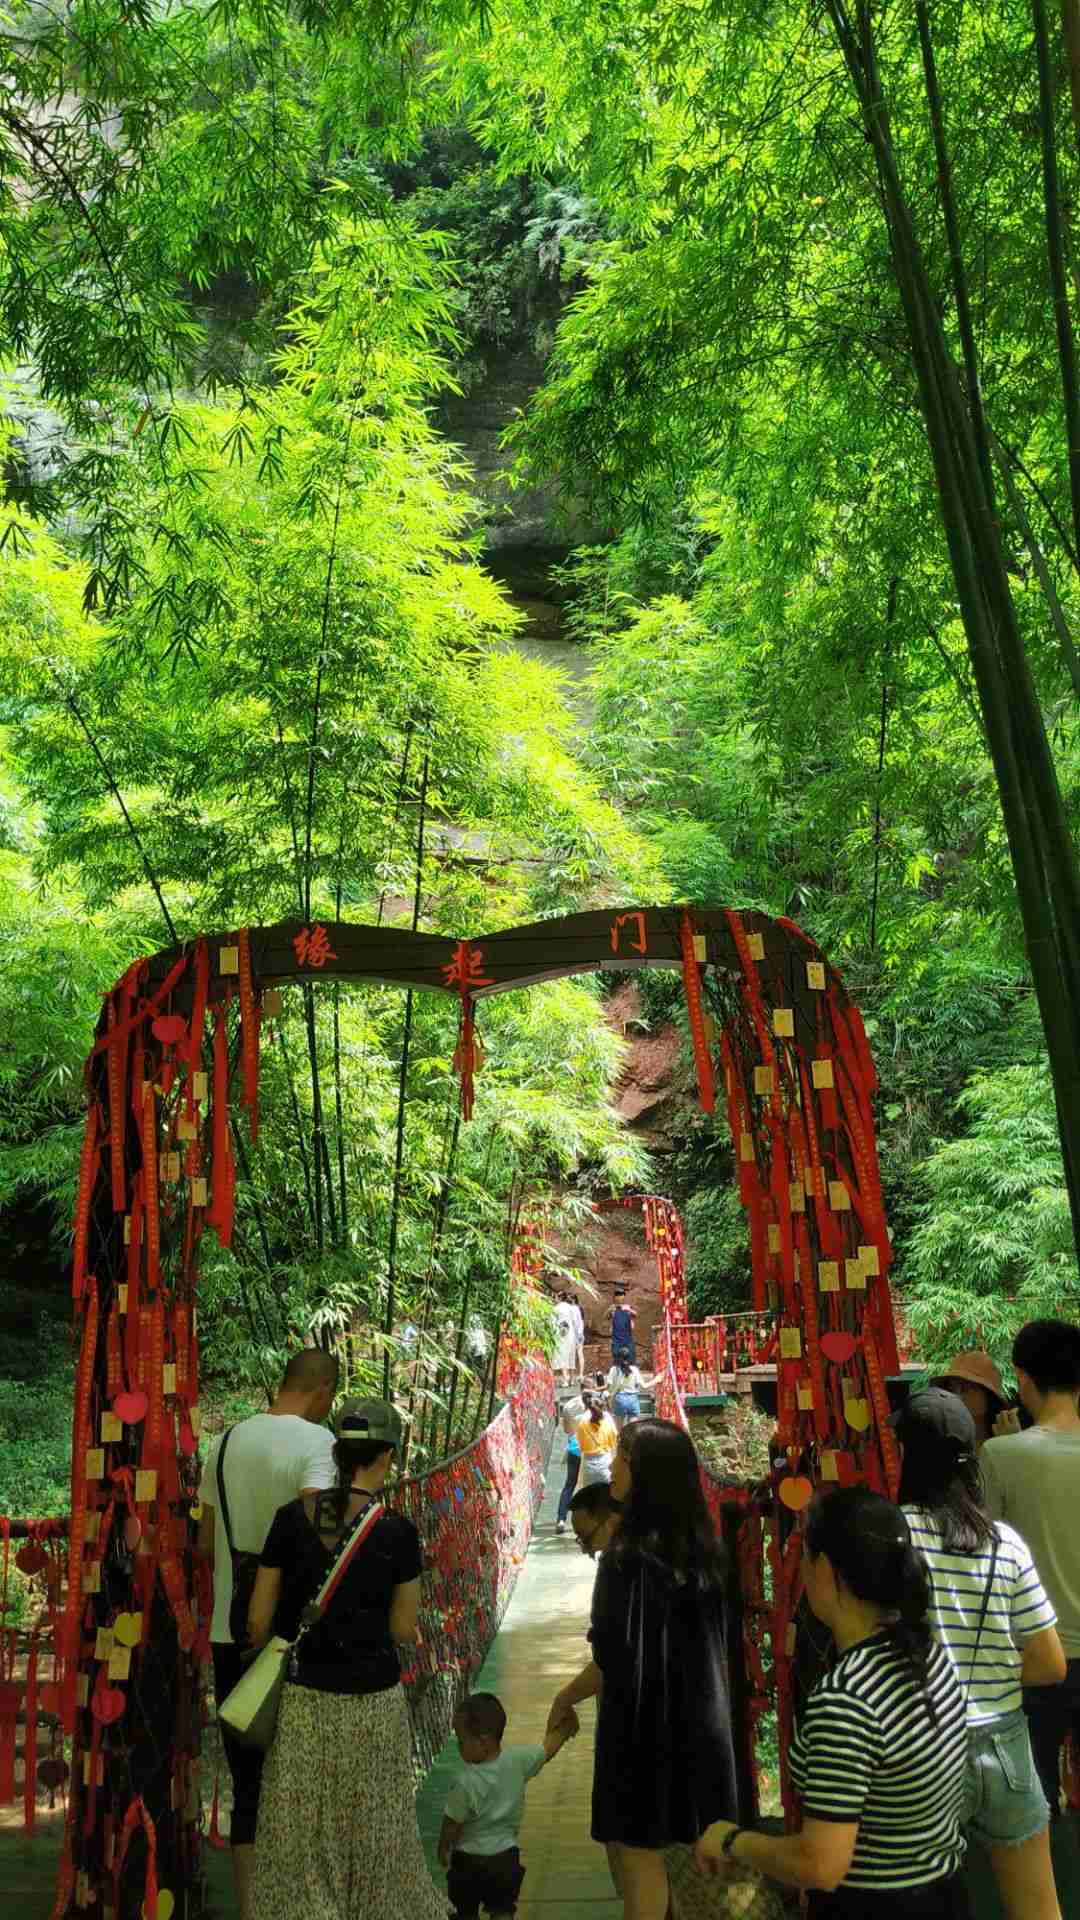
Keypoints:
pixel 978 1369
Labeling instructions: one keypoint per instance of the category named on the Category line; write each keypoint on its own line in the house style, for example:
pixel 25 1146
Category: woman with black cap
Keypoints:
pixel 337 1837
pixel 989 1612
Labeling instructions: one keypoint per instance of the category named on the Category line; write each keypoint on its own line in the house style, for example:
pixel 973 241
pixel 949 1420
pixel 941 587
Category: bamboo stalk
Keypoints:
pixel 459 1343
pixel 399 1145
pixel 300 1139
pixel 1055 254
pixel 1039 563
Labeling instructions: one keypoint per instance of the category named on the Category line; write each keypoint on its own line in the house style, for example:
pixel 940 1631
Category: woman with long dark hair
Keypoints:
pixel 879 1756
pixel 337 1837
pixel 991 1615
pixel 664 1763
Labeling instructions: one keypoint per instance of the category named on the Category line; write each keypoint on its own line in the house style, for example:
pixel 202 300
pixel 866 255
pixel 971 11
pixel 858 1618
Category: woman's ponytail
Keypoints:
pixel 910 1632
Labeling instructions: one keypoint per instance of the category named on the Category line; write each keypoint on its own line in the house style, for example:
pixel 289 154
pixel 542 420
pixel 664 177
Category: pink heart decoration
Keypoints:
pixel 107 1704
pixel 169 1028
pixel 131 1407
pixel 839 1347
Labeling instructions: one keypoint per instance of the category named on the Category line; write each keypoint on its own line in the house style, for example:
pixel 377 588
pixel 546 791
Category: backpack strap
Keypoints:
pixel 220 1476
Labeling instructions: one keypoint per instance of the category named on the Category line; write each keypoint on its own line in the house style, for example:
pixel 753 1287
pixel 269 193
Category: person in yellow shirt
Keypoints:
pixel 597 1437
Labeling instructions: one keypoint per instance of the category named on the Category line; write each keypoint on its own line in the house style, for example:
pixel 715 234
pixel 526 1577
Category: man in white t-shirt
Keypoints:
pixel 269 1460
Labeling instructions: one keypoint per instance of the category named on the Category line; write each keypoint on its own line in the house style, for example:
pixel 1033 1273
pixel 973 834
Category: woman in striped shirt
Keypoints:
pixel 879 1756
pixel 990 1614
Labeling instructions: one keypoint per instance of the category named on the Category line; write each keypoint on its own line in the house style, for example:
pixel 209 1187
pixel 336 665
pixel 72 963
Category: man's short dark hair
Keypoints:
pixel 310 1369
pixel 483 1715
pixel 595 1498
pixel 1049 1353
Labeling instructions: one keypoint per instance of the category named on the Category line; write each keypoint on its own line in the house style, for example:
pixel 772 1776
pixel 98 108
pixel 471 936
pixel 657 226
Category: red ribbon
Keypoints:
pixel 692 989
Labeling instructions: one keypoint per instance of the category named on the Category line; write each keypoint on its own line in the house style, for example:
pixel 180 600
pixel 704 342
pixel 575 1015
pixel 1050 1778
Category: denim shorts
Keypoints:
pixel 1004 1805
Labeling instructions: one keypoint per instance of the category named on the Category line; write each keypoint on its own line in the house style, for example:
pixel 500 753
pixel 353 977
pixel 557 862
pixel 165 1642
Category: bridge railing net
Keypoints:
pixel 474 1513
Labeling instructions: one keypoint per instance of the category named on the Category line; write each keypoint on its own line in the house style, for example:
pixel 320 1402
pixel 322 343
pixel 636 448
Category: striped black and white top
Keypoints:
pixel 866 1751
pixel 1017 1609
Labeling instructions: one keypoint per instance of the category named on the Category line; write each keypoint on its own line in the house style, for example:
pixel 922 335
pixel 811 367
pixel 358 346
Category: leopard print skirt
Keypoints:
pixel 337 1837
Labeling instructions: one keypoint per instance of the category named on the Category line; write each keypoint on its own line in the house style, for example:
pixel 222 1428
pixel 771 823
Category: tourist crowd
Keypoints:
pixel 954 1617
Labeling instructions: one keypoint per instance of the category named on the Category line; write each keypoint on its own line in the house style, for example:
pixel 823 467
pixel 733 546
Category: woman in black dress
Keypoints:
pixel 665 1767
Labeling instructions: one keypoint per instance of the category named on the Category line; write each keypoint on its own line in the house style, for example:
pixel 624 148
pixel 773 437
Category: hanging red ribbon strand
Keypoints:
pixel 692 990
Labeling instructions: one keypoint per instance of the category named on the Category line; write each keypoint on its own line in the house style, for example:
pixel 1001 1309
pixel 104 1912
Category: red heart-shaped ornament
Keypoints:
pixel 52 1773
pixel 839 1347
pixel 131 1407
pixel 169 1028
pixel 31 1558
pixel 107 1704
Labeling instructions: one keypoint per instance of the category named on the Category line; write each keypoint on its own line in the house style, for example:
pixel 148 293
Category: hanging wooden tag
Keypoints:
pixel 755 946
pixel 111 1429
pixel 783 1021
pixel 168 1377
pixel 186 1129
pixel 857 1414
pixel 868 1257
pixel 95 1463
pixel 708 1026
pixel 790 1639
pixel 82 1889
pixel 774 1237
pixel 746 1146
pixel 828 1275
pixel 91 1529
pixel 790 1343
pixel 169 1166
pixel 828 1467
pixel 815 975
pixel 103 1643
pixel 121 1297
pixel 699 948
pixel 805 1397
pixel 200 1086
pixel 839 1197
pixel 198 1190
pixel 92 1577
pixel 120 1663
pixel 822 1073
pixel 127 1229
pixel 228 959
pixel 145 1485
pixel 272 1003
pixel 798 1196
pixel 855 1276
pixel 763 1080
pixel 195 1420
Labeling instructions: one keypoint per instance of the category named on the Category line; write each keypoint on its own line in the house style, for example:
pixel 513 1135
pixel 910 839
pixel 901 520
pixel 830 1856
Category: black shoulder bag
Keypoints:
pixel 244 1565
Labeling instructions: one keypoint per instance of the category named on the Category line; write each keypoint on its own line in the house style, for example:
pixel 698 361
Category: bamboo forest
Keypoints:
pixel 539 834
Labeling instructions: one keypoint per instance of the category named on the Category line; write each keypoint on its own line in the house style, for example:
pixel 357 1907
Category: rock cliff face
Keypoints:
pixel 526 533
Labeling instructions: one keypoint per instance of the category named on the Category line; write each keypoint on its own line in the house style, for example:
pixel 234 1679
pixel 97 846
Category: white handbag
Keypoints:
pixel 250 1710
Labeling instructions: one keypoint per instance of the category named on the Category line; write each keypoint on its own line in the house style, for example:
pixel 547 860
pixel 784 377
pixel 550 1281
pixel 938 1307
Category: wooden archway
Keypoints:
pixel 774 1032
